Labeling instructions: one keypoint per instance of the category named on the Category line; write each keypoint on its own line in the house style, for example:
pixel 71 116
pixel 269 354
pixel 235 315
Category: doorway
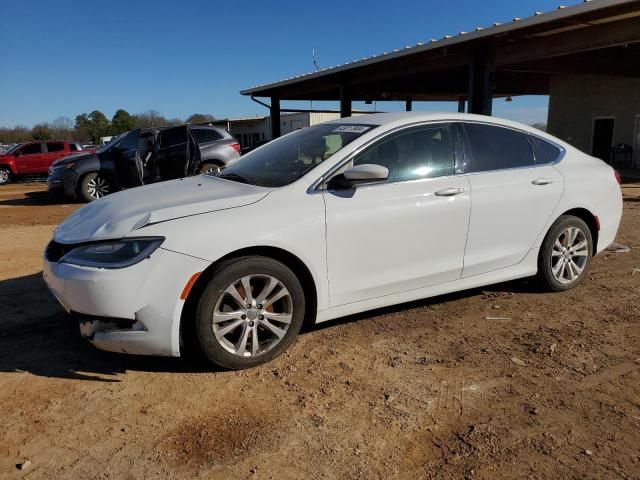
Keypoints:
pixel 602 137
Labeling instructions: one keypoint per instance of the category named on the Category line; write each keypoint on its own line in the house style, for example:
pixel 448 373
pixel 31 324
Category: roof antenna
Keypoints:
pixel 315 64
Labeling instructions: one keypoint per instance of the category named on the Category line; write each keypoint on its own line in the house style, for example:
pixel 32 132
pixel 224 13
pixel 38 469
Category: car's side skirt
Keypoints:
pixel 526 268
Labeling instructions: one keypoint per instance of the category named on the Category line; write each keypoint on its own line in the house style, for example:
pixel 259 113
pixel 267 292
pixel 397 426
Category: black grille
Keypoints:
pixel 55 251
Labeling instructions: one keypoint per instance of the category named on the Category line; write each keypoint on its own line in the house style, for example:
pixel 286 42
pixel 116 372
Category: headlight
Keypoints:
pixel 113 254
pixel 65 165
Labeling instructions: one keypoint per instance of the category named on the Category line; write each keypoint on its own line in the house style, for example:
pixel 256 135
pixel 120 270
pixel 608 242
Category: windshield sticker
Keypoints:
pixel 352 129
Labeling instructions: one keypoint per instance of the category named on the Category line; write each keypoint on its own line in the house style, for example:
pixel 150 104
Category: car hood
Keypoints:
pixel 117 215
pixel 73 157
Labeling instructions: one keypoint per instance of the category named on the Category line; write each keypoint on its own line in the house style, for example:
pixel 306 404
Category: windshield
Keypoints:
pixel 14 148
pixel 285 160
pixel 111 143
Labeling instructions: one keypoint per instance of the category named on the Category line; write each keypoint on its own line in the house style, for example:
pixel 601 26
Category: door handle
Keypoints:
pixel 449 192
pixel 542 181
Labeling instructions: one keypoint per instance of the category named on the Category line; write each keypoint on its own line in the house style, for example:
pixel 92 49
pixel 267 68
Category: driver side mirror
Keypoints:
pixel 365 173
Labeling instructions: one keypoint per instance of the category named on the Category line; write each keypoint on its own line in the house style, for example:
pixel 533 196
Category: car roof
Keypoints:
pixel 397 119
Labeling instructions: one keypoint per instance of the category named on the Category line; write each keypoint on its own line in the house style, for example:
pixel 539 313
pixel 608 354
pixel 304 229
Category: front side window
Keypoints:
pixel 130 142
pixel 421 152
pixel 74 147
pixel 53 147
pixel 31 148
pixel 285 160
pixel 497 148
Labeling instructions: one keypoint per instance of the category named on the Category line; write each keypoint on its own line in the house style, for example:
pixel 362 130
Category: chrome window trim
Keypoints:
pixel 316 186
pixel 561 149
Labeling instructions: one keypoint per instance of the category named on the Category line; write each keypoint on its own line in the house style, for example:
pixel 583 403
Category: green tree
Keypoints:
pixel 41 131
pixel 200 117
pixel 122 122
pixel 81 127
pixel 93 125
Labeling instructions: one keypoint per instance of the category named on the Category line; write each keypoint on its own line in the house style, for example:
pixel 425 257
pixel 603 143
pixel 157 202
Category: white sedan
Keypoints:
pixel 330 220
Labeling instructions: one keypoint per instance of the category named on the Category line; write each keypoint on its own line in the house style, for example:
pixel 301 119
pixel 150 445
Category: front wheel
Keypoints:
pixel 565 253
pixel 5 176
pixel 95 185
pixel 251 311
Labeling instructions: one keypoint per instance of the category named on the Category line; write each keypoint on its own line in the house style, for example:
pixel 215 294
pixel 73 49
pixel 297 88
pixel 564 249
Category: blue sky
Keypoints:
pixel 62 57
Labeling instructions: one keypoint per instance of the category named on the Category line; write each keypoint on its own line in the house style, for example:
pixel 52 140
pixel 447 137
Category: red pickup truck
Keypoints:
pixel 33 158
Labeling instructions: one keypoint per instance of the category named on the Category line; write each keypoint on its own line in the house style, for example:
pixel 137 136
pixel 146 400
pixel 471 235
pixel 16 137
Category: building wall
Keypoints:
pixel 575 100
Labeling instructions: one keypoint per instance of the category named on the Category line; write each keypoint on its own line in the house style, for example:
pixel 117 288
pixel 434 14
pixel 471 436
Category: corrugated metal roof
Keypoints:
pixel 561 12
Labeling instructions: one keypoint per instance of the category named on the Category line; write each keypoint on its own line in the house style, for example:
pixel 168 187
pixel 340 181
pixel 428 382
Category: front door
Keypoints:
pixel 513 194
pixel 126 160
pixel 30 157
pixel 403 234
pixel 602 138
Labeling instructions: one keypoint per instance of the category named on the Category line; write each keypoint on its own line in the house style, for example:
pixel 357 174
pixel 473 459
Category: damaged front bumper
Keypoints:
pixel 129 310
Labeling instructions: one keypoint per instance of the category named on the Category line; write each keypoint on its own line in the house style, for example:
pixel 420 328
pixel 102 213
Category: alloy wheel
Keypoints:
pixel 210 170
pixel 569 255
pixel 4 176
pixel 252 315
pixel 98 187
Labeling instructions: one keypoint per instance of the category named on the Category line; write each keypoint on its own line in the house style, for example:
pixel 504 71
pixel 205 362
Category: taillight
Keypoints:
pixel 618 179
pixel 236 147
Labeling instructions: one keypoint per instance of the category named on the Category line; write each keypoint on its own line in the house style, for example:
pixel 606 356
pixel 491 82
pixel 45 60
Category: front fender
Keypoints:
pixel 297 227
pixel 11 165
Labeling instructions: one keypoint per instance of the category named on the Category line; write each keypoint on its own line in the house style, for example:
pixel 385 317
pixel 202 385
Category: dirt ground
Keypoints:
pixel 431 389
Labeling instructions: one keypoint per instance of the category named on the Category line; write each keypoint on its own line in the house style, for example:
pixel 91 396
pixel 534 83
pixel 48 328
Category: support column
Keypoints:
pixel 408 105
pixel 275 118
pixel 461 105
pixel 345 102
pixel 481 82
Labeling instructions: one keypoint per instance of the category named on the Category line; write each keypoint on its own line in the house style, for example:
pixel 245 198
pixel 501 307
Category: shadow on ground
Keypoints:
pixel 34 199
pixel 37 336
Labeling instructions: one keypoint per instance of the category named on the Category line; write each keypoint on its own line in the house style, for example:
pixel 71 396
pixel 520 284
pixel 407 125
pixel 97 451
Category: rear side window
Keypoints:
pixel 543 151
pixel 204 135
pixel 55 147
pixel 497 148
pixel 173 136
pixel 31 148
pixel 421 152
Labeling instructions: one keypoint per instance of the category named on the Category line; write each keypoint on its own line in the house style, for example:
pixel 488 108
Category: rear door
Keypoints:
pixel 513 194
pixel 55 150
pixel 30 157
pixel 177 153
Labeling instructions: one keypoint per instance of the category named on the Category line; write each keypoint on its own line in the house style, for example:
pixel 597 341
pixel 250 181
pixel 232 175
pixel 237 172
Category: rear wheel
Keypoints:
pixel 5 176
pixel 95 185
pixel 208 168
pixel 565 253
pixel 251 311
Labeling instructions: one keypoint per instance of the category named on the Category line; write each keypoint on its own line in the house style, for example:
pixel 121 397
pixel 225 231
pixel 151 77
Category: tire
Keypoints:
pixel 224 330
pixel 95 185
pixel 208 167
pixel 5 176
pixel 565 254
